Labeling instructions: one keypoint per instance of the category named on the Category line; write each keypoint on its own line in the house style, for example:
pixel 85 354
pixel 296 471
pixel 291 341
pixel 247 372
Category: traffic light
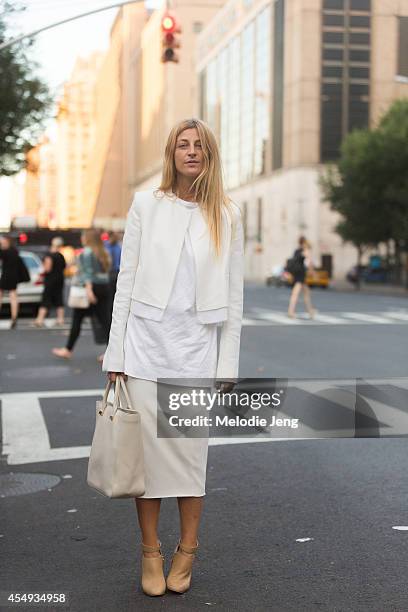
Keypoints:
pixel 170 42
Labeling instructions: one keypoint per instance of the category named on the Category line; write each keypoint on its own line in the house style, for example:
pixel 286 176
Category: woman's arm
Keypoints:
pixel 114 360
pixel 86 273
pixel 228 358
pixel 308 259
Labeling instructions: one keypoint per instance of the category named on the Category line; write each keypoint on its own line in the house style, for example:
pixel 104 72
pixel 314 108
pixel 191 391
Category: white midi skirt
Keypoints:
pixel 174 466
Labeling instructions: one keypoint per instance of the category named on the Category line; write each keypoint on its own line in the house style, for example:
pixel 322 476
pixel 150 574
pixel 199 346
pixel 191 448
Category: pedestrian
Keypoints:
pixel 53 294
pixel 298 266
pixel 13 272
pixel 181 273
pixel 114 249
pixel 93 273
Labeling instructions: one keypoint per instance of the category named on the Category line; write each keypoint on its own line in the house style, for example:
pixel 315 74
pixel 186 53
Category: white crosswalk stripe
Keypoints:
pixel 277 318
pixel 399 316
pixel 366 318
pixel 259 316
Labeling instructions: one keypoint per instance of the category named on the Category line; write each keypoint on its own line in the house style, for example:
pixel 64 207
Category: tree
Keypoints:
pixel 369 184
pixel 24 99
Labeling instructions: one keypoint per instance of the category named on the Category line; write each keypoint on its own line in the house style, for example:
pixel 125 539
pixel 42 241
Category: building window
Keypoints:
pixel 234 100
pixel 203 87
pixel 244 211
pixel 345 83
pixel 247 102
pixel 197 26
pixel 278 84
pixel 334 5
pixel 262 88
pixel 259 220
pixel 403 47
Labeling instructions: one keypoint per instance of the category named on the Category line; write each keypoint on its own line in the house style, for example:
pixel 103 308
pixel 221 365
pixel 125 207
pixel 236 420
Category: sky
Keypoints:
pixel 56 49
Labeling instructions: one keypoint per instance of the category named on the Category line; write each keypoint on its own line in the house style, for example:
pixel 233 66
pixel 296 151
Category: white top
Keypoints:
pixel 174 342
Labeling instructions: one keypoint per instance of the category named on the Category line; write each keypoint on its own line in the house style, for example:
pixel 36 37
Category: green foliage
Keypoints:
pixel 369 184
pixel 24 99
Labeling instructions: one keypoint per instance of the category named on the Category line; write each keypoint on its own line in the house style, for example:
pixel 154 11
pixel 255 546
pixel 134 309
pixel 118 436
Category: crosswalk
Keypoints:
pixel 264 317
pixel 49 325
pixel 321 409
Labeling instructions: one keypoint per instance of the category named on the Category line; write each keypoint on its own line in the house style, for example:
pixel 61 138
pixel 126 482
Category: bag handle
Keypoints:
pixel 126 394
pixel 117 404
pixel 108 387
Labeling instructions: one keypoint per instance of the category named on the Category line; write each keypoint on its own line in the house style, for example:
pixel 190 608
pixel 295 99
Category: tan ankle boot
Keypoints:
pixel 179 577
pixel 153 581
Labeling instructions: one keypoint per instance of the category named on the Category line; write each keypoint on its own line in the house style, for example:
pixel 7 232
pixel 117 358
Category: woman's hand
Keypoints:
pixel 112 376
pixel 92 297
pixel 224 387
pixel 89 292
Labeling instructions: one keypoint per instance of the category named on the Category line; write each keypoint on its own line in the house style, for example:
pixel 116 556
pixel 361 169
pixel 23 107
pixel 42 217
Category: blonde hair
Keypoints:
pixel 208 187
pixel 304 243
pixel 94 241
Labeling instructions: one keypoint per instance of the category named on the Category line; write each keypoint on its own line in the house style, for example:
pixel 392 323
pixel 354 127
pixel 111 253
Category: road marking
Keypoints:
pixel 253 322
pixel 49 325
pixel 276 317
pixel 320 318
pixel 400 316
pixel 23 425
pixel 366 318
pixel 26 439
pixel 25 434
pixel 257 316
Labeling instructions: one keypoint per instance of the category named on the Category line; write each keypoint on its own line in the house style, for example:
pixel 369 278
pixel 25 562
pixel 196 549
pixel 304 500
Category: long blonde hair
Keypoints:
pixel 208 187
pixel 94 241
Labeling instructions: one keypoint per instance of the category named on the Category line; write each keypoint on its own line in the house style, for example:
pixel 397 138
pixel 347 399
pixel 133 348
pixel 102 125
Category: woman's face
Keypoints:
pixel 188 155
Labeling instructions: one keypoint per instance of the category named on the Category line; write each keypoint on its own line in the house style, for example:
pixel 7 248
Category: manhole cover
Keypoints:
pixel 21 484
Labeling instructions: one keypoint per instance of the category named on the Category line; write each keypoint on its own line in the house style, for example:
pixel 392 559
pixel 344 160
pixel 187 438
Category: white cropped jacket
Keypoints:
pixel 152 244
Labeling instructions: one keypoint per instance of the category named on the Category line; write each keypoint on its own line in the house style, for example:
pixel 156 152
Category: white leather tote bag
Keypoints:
pixel 116 463
pixel 78 297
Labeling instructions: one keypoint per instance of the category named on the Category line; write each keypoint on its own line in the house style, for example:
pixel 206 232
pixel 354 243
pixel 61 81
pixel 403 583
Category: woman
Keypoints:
pixel 303 262
pixel 9 275
pixel 93 272
pixel 54 265
pixel 181 273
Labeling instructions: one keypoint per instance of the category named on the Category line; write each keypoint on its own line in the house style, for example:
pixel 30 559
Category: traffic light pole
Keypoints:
pixel 13 41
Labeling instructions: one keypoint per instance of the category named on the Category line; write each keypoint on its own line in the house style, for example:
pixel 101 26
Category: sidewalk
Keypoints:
pixel 371 288
pixel 343 286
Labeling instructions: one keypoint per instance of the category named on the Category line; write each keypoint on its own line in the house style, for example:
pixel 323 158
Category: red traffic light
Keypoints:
pixel 170 41
pixel 168 23
pixel 23 238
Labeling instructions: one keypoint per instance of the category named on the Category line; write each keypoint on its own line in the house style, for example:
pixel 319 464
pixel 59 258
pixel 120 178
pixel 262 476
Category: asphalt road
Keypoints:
pixel 288 525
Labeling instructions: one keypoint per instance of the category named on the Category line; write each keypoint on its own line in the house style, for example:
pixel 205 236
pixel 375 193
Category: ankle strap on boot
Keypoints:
pixel 187 549
pixel 148 549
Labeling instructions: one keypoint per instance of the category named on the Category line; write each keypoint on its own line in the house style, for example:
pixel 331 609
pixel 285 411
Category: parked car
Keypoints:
pixel 280 277
pixel 368 274
pixel 31 292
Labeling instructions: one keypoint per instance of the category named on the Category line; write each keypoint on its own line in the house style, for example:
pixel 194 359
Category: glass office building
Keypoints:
pixel 235 99
pixel 282 83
